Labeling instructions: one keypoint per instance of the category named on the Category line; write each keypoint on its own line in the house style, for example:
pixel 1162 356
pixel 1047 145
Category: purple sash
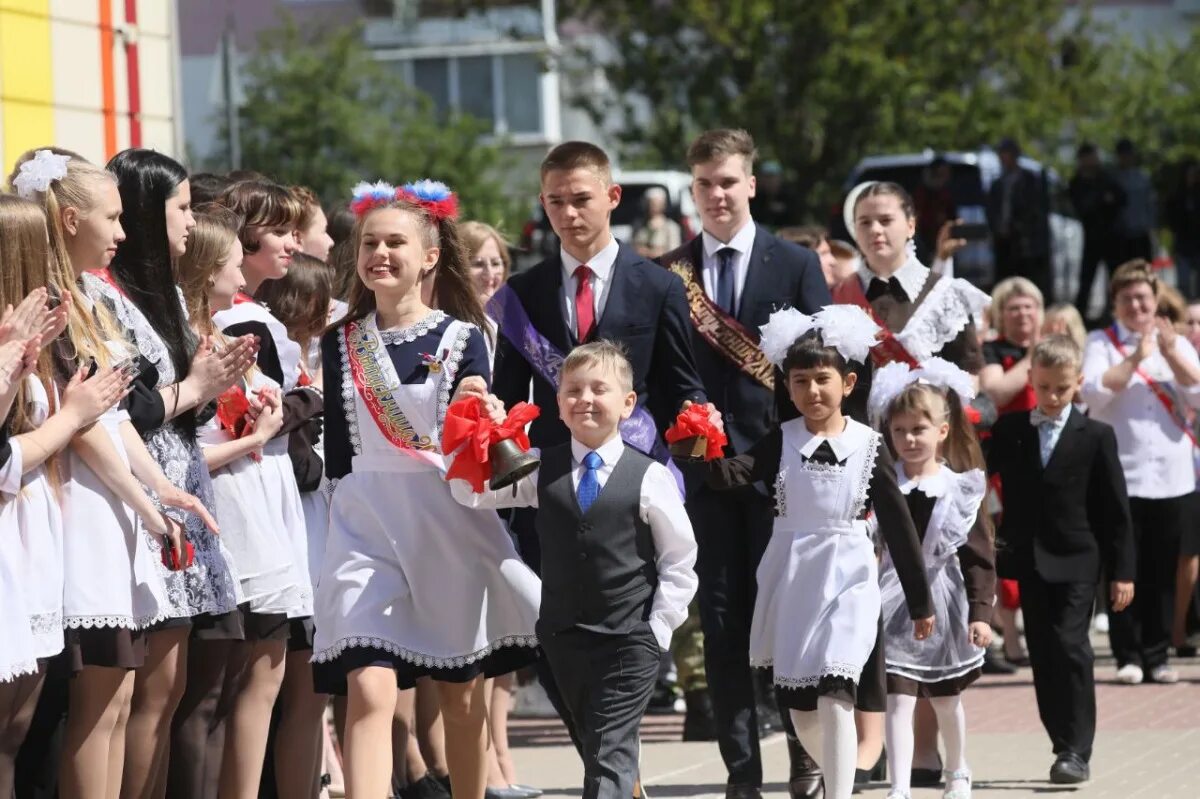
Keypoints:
pixel 638 431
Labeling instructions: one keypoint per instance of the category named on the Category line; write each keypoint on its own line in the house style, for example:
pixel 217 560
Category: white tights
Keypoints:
pixel 898 730
pixel 830 731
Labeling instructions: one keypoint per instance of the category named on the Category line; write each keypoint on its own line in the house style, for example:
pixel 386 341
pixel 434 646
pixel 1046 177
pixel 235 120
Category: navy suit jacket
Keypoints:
pixel 780 275
pixel 646 311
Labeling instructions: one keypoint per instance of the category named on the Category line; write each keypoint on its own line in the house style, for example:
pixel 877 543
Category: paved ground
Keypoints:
pixel 1147 745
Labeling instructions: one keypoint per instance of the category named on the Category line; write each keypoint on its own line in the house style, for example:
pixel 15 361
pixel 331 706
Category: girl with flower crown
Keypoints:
pixel 941 474
pixel 818 608
pixel 413 584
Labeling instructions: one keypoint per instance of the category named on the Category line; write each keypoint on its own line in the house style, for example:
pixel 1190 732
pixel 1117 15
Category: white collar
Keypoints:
pixel 601 263
pixel 911 276
pixel 610 451
pixel 851 440
pixel 1061 419
pixel 1125 335
pixel 742 241
pixel 934 485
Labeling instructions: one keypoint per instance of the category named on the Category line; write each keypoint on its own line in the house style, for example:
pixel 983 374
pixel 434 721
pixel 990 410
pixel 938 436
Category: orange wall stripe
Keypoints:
pixel 108 79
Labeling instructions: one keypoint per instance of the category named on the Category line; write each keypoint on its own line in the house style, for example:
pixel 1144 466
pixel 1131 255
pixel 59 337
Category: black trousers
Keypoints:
pixel 732 530
pixel 606 682
pixel 1141 633
pixel 521 524
pixel 1057 617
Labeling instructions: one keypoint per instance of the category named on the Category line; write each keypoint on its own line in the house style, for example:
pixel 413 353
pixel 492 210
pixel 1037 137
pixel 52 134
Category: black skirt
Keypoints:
pixel 907 686
pixel 330 677
pixel 105 647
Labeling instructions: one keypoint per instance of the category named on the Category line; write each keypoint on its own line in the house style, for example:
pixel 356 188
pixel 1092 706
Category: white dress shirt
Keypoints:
pixel 601 264
pixel 661 509
pixel 1050 431
pixel 743 245
pixel 1156 455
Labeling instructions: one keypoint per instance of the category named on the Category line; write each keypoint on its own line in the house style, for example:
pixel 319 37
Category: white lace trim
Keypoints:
pixel 419 658
pixel 781 493
pixel 45 623
pixel 137 327
pixel 20 669
pixel 409 334
pixel 101 622
pixel 819 467
pixel 449 372
pixel 947 309
pixel 348 397
pixel 847 671
pixel 862 481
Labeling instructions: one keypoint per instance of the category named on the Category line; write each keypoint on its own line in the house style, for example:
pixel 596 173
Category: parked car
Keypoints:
pixel 972 175
pixel 538 240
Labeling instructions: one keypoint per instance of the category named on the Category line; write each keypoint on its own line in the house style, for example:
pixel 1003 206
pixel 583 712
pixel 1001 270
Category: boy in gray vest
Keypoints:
pixel 617 563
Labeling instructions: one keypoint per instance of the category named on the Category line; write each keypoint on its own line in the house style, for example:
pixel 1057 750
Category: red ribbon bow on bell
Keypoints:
pixel 468 423
pixel 693 422
pixel 232 407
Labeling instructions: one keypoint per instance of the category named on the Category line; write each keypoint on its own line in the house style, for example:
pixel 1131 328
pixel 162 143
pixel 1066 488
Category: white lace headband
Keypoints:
pixel 889 381
pixel 36 174
pixel 847 328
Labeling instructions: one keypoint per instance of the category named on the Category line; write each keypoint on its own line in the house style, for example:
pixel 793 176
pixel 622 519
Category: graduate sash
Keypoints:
pixel 889 348
pixel 638 431
pixel 724 333
pixel 376 381
pixel 1165 394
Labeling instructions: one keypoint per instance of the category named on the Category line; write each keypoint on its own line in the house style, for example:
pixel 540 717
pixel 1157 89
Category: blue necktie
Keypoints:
pixel 589 483
pixel 725 278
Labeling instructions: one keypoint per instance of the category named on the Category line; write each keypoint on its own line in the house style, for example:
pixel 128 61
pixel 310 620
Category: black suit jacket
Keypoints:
pixel 646 311
pixel 1065 520
pixel 780 275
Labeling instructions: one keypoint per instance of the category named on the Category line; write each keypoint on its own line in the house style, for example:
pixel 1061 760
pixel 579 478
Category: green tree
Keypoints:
pixel 821 84
pixel 321 111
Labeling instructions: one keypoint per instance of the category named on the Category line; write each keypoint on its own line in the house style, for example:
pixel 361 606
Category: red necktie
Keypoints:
pixel 585 305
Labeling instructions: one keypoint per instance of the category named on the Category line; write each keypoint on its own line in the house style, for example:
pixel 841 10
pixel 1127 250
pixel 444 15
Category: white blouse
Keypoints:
pixel 1156 455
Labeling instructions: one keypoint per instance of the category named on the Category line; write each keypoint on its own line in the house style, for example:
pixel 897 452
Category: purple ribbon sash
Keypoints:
pixel 638 431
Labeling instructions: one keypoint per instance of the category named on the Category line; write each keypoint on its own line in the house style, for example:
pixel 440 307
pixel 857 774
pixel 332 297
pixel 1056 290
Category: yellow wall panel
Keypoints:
pixel 26 79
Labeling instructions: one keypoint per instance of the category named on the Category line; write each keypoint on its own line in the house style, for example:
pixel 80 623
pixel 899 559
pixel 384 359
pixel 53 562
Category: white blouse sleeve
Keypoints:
pixel 1097 360
pixel 674 552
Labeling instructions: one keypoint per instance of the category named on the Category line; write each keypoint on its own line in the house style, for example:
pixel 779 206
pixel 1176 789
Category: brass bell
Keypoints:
pixel 509 464
pixel 689 449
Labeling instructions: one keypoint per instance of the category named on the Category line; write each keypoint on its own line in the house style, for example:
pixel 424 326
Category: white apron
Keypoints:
pixel 818 594
pixel 407 569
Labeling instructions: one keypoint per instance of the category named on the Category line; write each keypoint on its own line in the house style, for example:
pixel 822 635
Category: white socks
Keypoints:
pixel 952 721
pixel 830 732
pixel 898 733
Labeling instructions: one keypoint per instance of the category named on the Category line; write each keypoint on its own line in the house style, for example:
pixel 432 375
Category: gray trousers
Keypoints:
pixel 606 682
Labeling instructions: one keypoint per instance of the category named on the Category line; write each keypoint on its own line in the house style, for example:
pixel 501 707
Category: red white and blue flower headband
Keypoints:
pixel 434 197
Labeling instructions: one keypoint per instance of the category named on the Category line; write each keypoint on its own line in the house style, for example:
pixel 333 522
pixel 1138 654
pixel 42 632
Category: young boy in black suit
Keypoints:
pixel 618 558
pixel 1066 515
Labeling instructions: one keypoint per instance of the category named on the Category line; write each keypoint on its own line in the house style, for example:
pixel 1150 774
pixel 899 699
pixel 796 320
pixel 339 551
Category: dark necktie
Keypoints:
pixel 725 279
pixel 879 287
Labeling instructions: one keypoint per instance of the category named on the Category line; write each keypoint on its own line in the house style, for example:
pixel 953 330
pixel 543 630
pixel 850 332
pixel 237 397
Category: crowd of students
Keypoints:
pixel 226 498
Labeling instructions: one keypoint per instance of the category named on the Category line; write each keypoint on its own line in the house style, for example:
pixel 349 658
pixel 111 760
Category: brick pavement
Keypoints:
pixel 1147 745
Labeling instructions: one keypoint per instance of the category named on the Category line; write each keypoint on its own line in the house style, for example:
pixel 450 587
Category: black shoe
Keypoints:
pixel 1069 769
pixel 927 777
pixel 993 664
pixel 698 723
pixel 1019 662
pixel 804 778
pixel 1185 651
pixel 428 787
pixel 740 791
pixel 877 773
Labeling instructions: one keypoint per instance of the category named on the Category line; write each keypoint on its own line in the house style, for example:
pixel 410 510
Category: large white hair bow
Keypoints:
pixel 888 381
pixel 848 207
pixel 36 174
pixel 847 328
